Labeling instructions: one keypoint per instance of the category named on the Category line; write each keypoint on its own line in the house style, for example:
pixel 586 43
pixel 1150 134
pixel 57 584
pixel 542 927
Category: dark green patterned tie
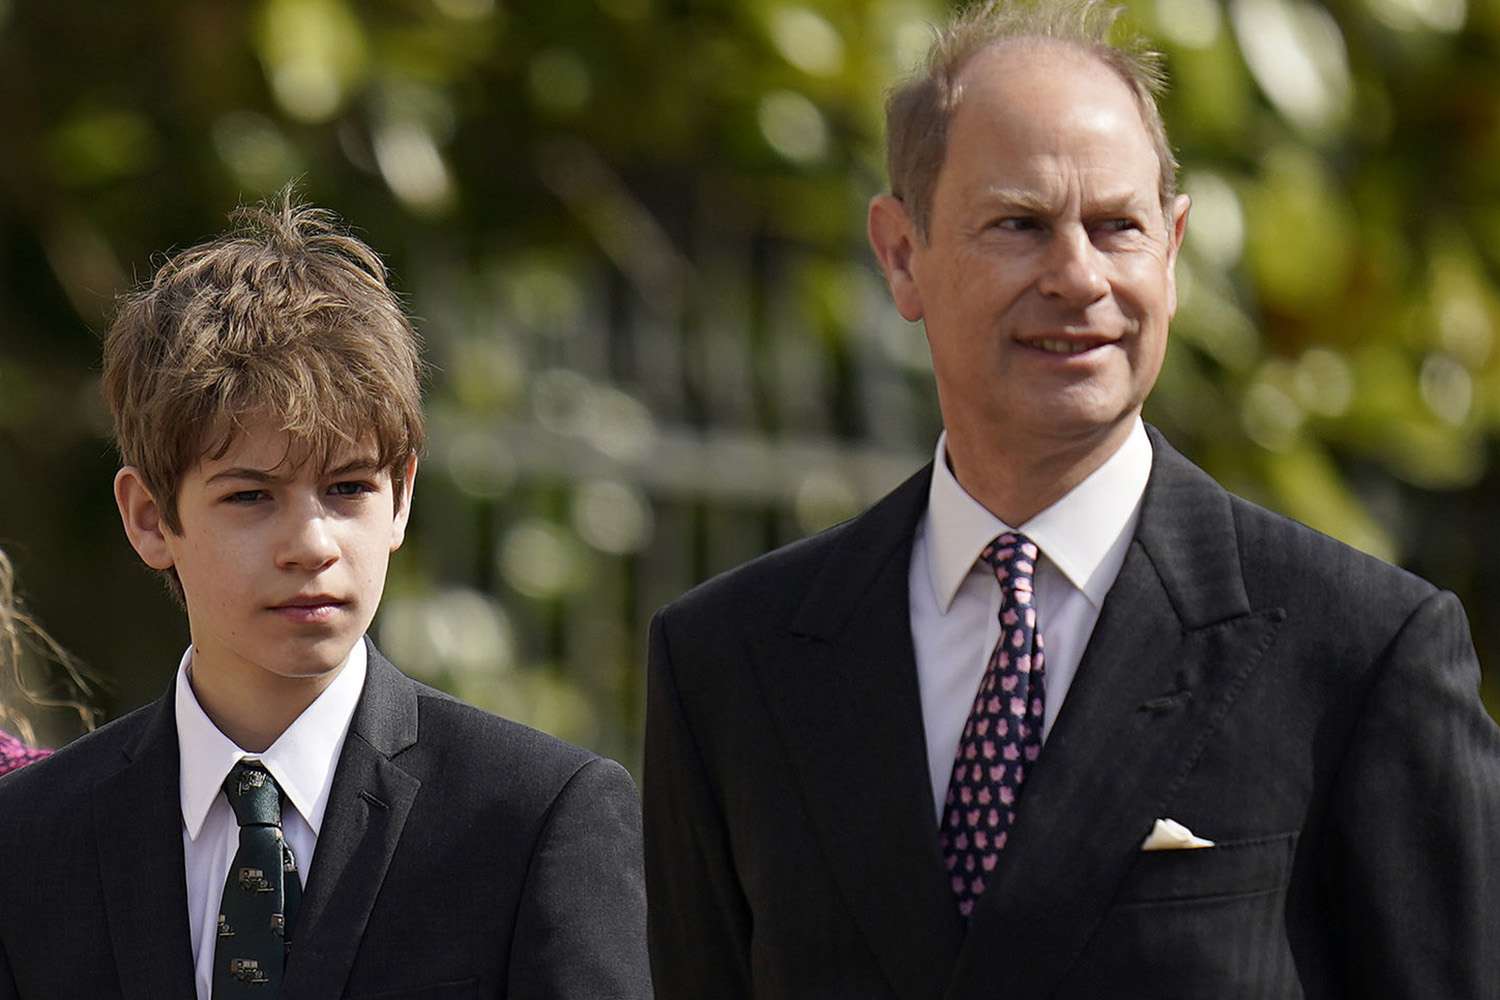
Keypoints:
pixel 261 893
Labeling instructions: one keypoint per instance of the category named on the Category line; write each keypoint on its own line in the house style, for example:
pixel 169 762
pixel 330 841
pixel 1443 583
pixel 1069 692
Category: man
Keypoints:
pixel 1059 717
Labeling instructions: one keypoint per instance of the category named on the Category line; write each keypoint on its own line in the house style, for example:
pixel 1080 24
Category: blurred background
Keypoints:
pixel 632 232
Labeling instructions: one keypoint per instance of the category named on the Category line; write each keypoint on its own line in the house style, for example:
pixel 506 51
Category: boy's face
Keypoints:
pixel 282 565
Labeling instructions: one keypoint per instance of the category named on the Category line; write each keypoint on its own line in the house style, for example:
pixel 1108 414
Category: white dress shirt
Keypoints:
pixel 955 600
pixel 302 760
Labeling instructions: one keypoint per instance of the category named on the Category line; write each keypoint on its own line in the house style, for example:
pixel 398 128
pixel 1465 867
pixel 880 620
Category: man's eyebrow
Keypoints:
pixel 1018 199
pixel 1116 202
pixel 1032 203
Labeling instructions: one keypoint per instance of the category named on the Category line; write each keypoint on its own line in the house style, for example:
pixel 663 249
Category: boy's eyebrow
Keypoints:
pixel 254 475
pixel 364 463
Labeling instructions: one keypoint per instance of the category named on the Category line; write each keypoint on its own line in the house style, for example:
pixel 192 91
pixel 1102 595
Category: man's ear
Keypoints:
pixel 142 517
pixel 1176 230
pixel 403 508
pixel 894 239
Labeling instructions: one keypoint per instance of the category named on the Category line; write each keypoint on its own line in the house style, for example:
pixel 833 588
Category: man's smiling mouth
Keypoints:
pixel 1065 346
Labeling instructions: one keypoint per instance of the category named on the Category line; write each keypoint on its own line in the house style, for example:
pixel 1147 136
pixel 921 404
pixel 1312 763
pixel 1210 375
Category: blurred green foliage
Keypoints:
pixel 632 231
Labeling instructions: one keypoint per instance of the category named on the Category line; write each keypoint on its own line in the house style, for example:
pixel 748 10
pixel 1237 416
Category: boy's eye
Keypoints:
pixel 245 496
pixel 351 488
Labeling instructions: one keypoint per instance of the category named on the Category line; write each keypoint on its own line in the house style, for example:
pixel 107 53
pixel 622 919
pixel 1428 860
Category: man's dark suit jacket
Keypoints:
pixel 1312 710
pixel 461 855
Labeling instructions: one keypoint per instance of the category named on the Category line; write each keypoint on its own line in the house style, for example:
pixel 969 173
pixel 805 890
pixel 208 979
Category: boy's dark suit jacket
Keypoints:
pixel 1311 709
pixel 462 855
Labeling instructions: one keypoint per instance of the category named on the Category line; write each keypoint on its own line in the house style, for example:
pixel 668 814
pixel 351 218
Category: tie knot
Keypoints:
pixel 253 795
pixel 1013 557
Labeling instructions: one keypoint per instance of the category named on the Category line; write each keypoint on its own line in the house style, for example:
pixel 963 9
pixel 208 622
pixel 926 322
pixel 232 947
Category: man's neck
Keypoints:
pixel 250 705
pixel 1015 481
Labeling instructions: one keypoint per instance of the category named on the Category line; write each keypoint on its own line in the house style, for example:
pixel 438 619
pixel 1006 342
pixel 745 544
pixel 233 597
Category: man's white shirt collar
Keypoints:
pixel 302 759
pixel 1076 533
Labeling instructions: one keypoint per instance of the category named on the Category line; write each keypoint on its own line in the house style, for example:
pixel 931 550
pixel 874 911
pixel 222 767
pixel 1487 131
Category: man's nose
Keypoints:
pixel 1073 268
pixel 308 541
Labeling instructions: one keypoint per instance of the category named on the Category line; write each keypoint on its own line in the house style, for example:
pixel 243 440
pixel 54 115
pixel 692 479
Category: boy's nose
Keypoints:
pixel 308 544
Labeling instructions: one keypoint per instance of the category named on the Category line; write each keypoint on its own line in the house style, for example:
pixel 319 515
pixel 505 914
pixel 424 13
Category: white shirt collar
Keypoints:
pixel 1075 533
pixel 302 759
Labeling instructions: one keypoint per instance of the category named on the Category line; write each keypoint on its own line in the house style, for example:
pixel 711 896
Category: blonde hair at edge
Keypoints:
pixel 21 636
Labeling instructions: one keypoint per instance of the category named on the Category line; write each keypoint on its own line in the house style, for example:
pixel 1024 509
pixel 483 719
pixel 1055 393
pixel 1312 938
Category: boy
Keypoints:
pixel 295 817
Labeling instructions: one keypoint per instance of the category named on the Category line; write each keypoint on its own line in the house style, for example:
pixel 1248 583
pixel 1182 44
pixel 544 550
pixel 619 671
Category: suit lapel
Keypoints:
pixel 843 689
pixel 1175 643
pixel 142 875
pixel 367 809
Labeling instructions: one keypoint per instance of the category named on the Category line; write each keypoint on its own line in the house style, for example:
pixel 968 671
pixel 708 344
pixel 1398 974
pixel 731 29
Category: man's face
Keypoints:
pixel 1046 279
pixel 283 564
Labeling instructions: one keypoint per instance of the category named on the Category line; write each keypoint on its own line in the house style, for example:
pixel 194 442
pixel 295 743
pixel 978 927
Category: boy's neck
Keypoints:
pixel 251 706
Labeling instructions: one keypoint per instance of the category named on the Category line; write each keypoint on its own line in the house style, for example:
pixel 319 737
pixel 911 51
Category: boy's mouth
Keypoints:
pixel 311 609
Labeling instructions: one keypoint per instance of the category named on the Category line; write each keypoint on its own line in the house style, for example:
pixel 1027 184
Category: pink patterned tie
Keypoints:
pixel 1003 734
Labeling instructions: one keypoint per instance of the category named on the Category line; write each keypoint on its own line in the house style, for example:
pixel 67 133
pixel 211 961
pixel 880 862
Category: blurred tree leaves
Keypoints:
pixel 633 233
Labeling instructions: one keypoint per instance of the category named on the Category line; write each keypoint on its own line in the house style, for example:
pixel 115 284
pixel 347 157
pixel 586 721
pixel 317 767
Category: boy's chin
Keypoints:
pixel 314 660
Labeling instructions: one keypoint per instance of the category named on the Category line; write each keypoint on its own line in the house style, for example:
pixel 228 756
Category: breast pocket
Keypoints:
pixel 1231 868
pixel 1190 924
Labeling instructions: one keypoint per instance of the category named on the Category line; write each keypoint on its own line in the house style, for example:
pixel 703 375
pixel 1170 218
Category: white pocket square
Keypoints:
pixel 1170 835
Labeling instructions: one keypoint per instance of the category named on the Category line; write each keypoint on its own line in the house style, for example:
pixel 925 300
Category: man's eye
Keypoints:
pixel 1118 225
pixel 352 488
pixel 1018 224
pixel 245 496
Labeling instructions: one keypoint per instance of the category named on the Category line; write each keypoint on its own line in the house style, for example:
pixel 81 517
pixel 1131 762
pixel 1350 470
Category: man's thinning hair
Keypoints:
pixel 286 317
pixel 919 110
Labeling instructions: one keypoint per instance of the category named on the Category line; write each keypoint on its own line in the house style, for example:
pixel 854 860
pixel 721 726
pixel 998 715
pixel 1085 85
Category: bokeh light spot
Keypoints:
pixel 793 126
pixel 540 560
pixel 612 516
pixel 806 40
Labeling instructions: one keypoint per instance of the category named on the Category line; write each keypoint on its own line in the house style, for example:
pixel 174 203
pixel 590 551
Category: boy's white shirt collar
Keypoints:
pixel 302 760
pixel 1076 533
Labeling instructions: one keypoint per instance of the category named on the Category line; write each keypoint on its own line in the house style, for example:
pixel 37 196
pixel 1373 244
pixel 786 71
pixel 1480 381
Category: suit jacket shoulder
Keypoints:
pixel 1286 561
pixel 808 587
pixel 519 852
pixel 516 764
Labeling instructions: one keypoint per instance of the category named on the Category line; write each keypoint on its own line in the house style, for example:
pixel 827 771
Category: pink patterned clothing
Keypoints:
pixel 15 754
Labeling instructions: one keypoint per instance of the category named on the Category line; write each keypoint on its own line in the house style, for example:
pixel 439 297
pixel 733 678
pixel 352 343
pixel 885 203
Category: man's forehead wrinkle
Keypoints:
pixel 1051 188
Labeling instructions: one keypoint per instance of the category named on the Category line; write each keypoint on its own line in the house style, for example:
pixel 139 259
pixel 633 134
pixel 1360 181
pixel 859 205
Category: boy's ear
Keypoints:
pixel 403 508
pixel 142 519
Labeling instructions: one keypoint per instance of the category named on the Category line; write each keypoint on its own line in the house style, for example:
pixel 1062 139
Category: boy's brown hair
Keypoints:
pixel 286 315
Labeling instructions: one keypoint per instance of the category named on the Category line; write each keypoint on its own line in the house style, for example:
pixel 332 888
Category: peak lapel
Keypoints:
pixel 142 874
pixel 844 694
pixel 1175 643
pixel 367 809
